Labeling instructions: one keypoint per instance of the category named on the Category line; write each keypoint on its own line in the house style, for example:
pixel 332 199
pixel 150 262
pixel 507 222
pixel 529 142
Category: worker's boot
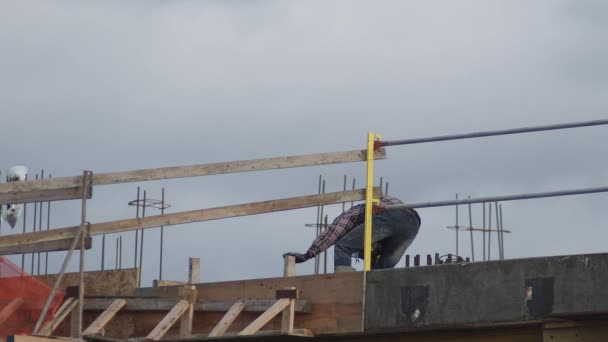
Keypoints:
pixel 339 269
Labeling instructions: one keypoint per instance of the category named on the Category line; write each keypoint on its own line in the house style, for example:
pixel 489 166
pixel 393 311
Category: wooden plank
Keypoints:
pixel 161 283
pixel 288 318
pixel 185 325
pixel 235 167
pixel 65 309
pixel 156 304
pixel 229 317
pixel 289 266
pixel 61 188
pixel 167 322
pixel 191 216
pixel 105 317
pixel 25 338
pixel 194 271
pixel 47 246
pixel 10 309
pixel 266 317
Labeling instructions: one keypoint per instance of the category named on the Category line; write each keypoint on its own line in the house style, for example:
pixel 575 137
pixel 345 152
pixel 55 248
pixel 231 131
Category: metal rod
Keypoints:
pixel 162 235
pixel 471 226
pixel 457 226
pixel 34 230
pixel 141 244
pixel 498 198
pixel 24 228
pixel 120 252
pixel 319 220
pixel 137 230
pixel 116 255
pixel 354 181
pixel 493 133
pixel 344 189
pixel 502 231
pixel 386 189
pixel 498 231
pixel 325 253
pixel 318 260
pixel 86 179
pixel 40 224
pixel 66 261
pixel 103 251
pixel 483 205
pixel 48 227
pixel 489 231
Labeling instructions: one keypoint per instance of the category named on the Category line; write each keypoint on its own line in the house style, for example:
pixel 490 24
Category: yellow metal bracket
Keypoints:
pixel 369 200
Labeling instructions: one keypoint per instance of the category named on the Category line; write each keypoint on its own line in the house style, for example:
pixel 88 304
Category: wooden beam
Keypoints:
pixel 62 188
pixel 10 309
pixel 46 246
pixel 156 304
pixel 105 317
pixel 25 338
pixel 194 271
pixel 191 216
pixel 64 310
pixel 167 322
pixel 266 317
pixel 162 283
pixel 223 325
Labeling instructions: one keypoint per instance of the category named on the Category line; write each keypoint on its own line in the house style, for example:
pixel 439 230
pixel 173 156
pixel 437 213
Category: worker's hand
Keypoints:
pixel 377 209
pixel 299 257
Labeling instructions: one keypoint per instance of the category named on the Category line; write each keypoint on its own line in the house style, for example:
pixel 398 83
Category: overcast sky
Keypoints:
pixel 114 86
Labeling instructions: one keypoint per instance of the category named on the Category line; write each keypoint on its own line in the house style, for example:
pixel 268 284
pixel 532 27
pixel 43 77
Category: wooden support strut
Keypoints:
pixel 105 317
pixel 62 188
pixel 167 322
pixel 266 317
pixel 64 310
pixel 10 309
pixel 188 217
pixel 230 316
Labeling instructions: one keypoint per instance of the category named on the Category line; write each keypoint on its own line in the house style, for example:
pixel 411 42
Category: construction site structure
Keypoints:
pixel 558 298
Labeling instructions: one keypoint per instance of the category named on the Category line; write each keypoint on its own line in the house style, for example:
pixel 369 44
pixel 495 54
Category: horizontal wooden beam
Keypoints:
pixel 155 304
pixel 64 188
pixel 190 216
pixel 46 246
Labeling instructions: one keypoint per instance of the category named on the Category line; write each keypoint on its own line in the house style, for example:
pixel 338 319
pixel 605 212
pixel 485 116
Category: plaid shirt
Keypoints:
pixel 343 224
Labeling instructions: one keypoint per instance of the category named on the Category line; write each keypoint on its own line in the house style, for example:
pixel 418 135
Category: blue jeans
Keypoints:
pixel 392 233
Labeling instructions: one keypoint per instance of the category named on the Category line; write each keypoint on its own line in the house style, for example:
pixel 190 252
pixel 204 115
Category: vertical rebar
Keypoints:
pixel 457 226
pixel 483 230
pixel 141 244
pixel 471 231
pixel 354 181
pixel 34 230
pixel 103 251
pixel 24 228
pixel 502 233
pixel 325 253
pixel 40 224
pixel 344 189
pixel 86 180
pixel 381 183
pixel 498 231
pixel 120 252
pixel 162 235
pixel 116 255
pixel 386 189
pixel 321 228
pixel 136 230
pixel 318 227
pixel 489 231
pixel 48 227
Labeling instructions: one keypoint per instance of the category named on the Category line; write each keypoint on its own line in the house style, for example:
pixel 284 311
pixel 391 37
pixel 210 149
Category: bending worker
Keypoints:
pixel 392 233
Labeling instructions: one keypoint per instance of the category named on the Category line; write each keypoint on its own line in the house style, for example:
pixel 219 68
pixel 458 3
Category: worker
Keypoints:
pixel 393 232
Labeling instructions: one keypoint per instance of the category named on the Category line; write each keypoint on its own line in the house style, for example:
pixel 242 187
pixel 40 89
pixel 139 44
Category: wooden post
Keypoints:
pixel 289 268
pixel 194 271
pixel 187 293
pixel 292 294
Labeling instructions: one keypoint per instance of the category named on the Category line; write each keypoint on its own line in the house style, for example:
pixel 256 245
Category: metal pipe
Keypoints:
pixel 498 198
pixel 493 133
pixel 162 236
pixel 471 226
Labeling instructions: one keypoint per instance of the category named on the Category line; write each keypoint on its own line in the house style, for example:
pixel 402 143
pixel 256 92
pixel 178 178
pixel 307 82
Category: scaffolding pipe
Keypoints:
pixel 497 198
pixel 492 133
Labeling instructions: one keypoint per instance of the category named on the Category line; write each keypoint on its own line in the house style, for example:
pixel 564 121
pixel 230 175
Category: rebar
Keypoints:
pixel 493 133
pixel 483 205
pixel 141 244
pixel 471 226
pixel 457 226
pixel 34 230
pixel 136 230
pixel 489 231
pixel 502 232
pixel 162 236
pixel 498 231
pixel 48 227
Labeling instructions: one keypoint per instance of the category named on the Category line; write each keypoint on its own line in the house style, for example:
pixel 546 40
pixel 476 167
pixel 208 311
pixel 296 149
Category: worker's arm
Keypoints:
pixel 340 226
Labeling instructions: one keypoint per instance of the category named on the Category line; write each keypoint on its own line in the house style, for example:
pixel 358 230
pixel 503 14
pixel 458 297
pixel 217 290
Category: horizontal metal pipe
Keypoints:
pixel 497 198
pixel 493 133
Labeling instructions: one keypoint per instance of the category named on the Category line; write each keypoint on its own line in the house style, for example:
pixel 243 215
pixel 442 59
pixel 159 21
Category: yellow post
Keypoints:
pixel 369 201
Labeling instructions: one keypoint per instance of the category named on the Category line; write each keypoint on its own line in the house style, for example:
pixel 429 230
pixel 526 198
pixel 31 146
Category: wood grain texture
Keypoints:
pixel 105 317
pixel 229 317
pixel 167 322
pixel 264 318
pixel 46 246
pixel 191 216
pixel 115 283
